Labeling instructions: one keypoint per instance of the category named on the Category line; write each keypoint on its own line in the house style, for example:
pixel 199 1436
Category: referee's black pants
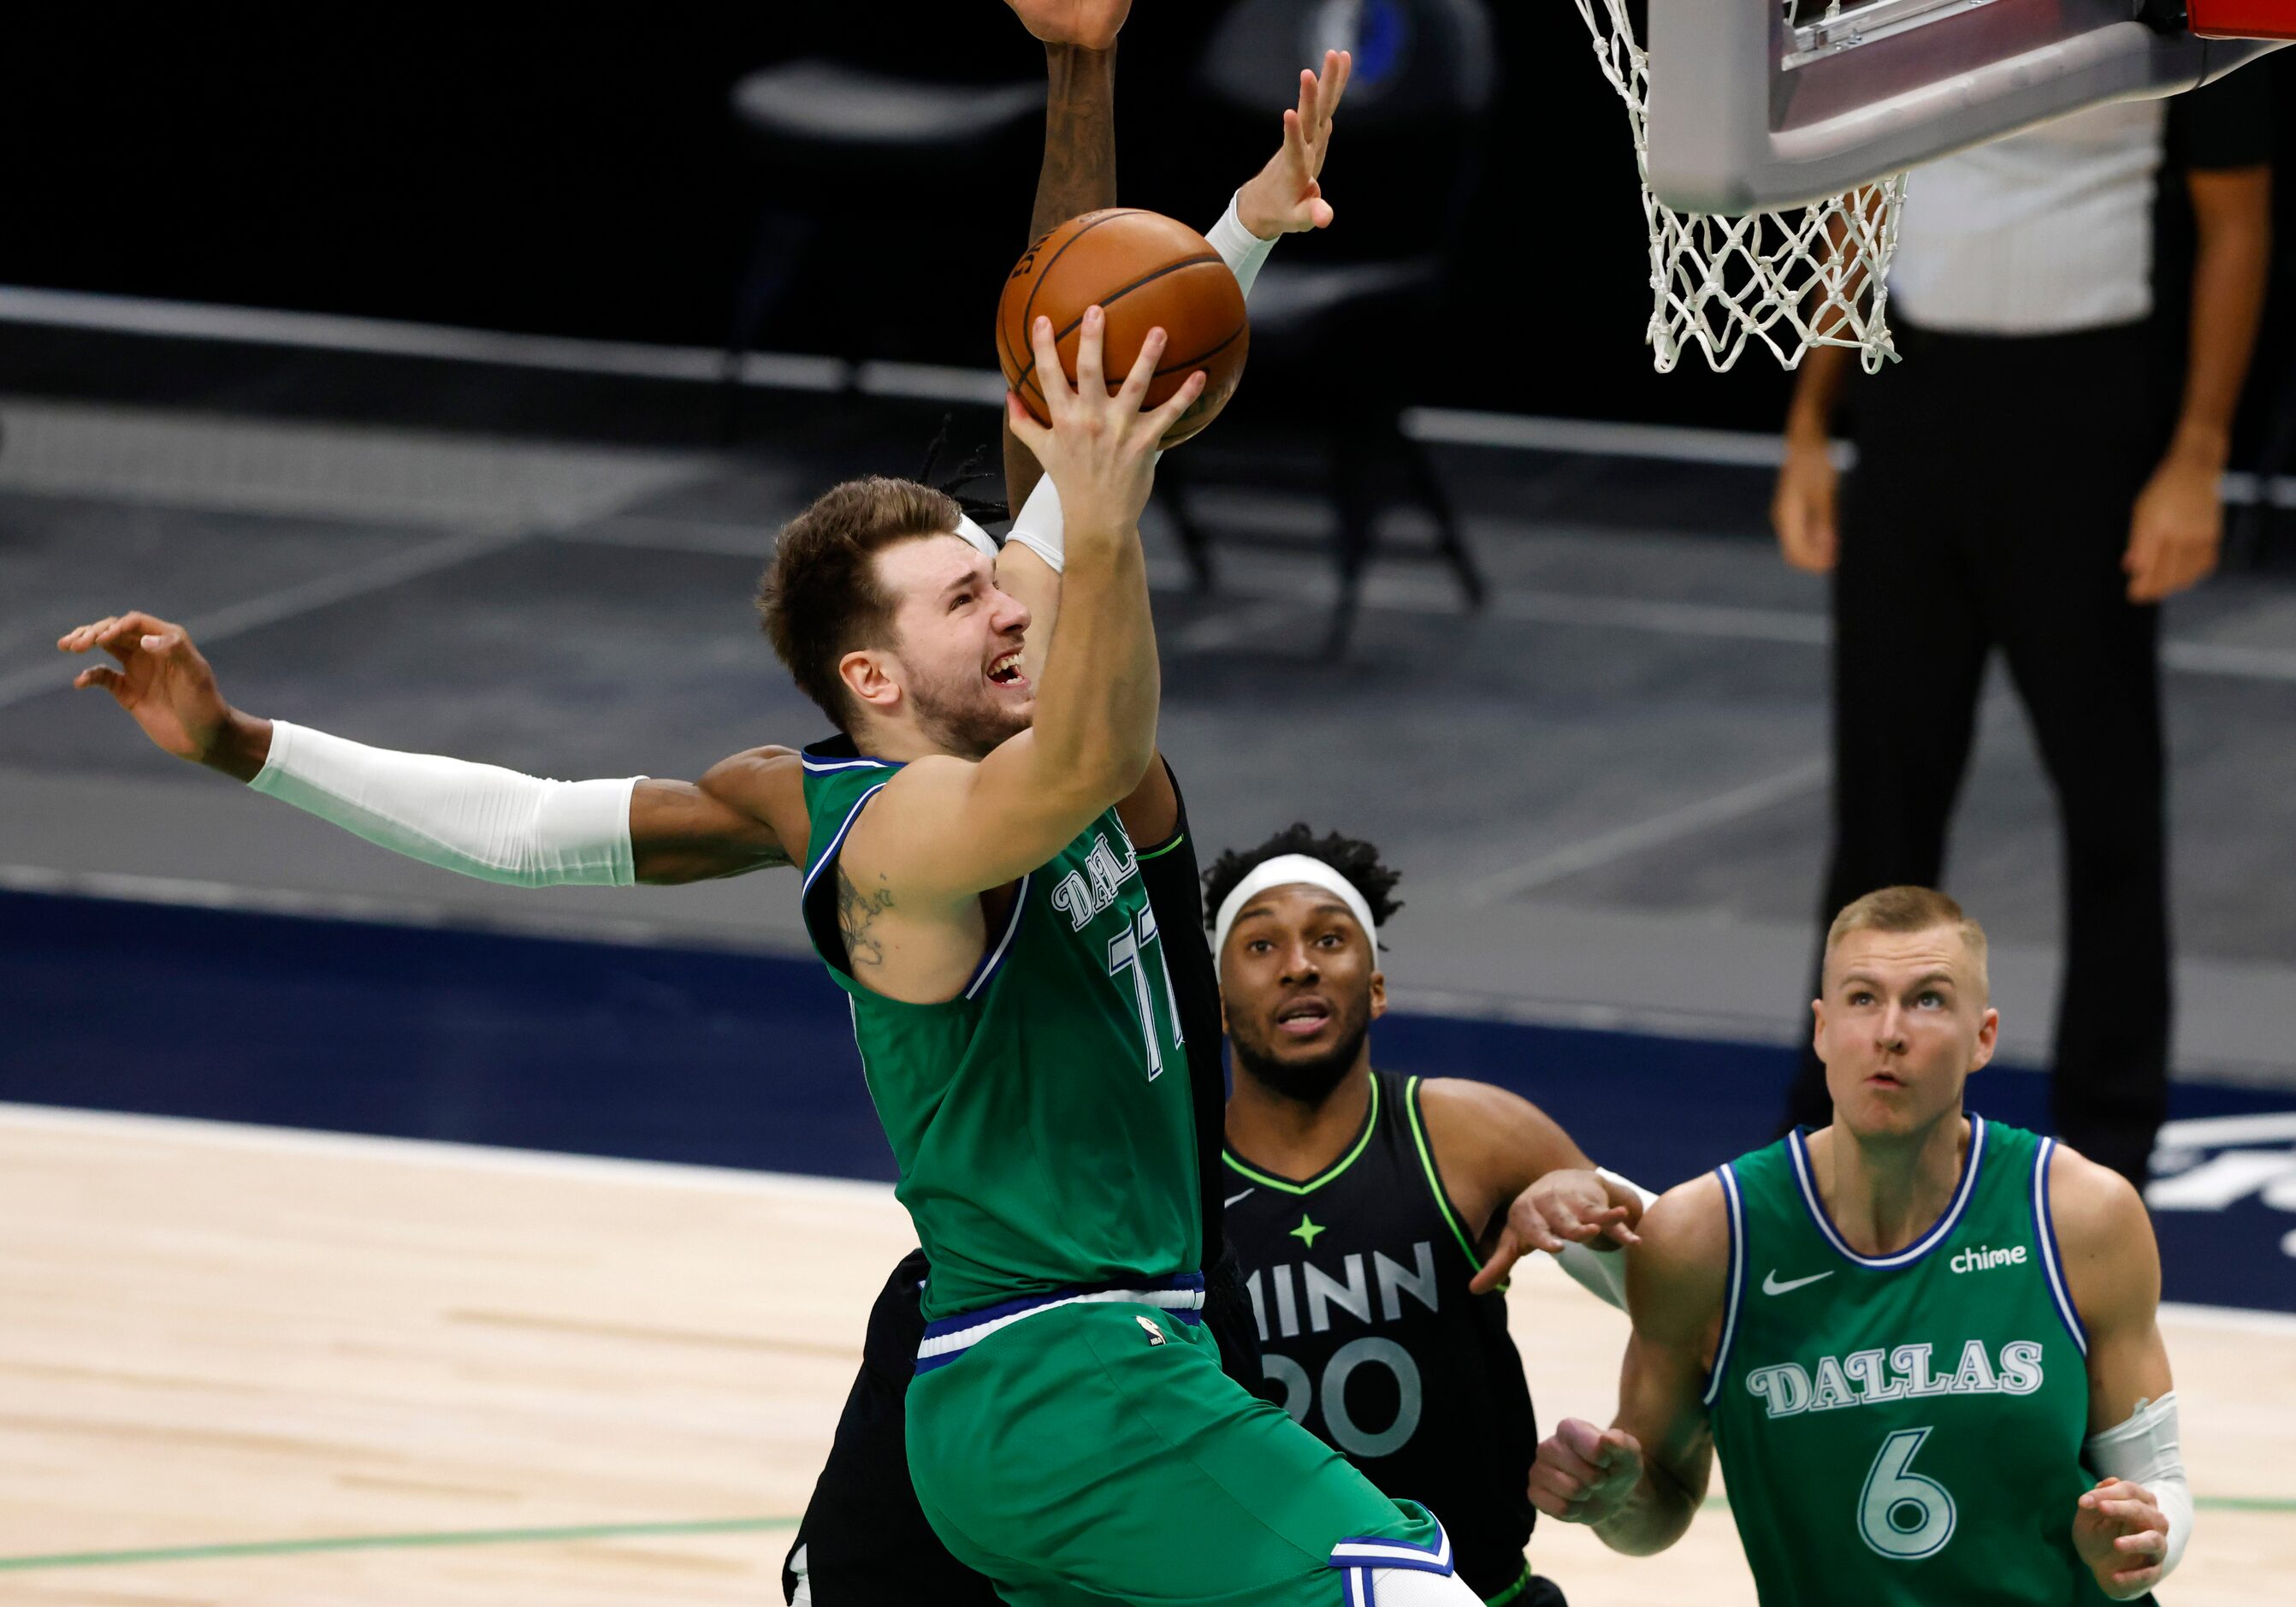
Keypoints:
pixel 1991 509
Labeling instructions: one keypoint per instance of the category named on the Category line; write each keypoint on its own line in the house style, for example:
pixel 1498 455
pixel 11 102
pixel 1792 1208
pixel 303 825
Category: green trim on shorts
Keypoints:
pixel 1362 1142
pixel 1512 1591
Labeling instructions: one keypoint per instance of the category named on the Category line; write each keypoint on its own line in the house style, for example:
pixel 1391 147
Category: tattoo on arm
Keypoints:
pixel 1078 174
pixel 856 919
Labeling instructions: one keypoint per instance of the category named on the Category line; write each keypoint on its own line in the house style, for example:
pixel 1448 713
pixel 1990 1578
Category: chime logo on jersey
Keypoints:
pixel 1080 899
pixel 1868 1378
pixel 1982 1257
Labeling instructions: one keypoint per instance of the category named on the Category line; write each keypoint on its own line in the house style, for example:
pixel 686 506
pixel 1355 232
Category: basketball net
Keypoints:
pixel 1791 280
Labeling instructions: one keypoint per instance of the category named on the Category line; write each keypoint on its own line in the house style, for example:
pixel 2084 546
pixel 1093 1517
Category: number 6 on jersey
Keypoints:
pixel 1901 1514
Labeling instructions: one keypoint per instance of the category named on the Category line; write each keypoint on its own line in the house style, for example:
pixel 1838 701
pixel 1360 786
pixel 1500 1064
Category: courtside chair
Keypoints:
pixel 821 132
pixel 1338 317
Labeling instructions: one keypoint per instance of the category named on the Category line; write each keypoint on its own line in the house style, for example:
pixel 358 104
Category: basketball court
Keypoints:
pixel 371 1235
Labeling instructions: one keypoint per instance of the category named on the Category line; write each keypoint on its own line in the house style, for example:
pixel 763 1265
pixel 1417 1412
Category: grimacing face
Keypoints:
pixel 1300 987
pixel 955 659
pixel 1904 1020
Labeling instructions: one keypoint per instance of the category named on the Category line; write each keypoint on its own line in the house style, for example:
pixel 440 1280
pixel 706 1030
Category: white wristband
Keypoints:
pixel 1039 527
pixel 475 818
pixel 978 538
pixel 2144 1450
pixel 1244 251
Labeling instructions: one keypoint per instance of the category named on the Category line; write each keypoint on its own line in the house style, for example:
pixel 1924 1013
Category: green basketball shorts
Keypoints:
pixel 1089 1451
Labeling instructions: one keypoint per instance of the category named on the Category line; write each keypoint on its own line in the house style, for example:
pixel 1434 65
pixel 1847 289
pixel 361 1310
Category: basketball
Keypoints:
pixel 1146 271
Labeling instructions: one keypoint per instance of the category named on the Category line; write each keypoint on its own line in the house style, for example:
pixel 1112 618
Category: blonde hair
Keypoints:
pixel 1911 910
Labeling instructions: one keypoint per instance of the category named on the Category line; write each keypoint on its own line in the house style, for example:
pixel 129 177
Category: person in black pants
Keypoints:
pixel 2012 491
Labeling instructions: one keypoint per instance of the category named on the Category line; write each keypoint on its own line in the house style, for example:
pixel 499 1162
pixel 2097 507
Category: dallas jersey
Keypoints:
pixel 1374 1343
pixel 1903 1428
pixel 1040 1119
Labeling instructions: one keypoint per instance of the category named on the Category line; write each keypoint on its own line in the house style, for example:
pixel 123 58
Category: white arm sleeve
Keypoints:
pixel 1037 525
pixel 1603 1273
pixel 475 818
pixel 1244 251
pixel 2144 1450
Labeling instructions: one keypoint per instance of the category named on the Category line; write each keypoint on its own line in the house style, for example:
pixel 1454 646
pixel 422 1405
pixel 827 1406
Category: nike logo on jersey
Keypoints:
pixel 1771 1286
pixel 1232 1198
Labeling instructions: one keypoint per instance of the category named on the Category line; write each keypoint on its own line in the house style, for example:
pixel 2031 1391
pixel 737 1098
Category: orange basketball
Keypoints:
pixel 1146 271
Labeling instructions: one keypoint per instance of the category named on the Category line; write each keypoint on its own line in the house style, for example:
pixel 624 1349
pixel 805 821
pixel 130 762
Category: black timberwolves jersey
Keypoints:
pixel 1358 1280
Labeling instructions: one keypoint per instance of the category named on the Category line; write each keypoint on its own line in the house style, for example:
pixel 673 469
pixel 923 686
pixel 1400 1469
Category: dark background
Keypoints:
pixel 574 170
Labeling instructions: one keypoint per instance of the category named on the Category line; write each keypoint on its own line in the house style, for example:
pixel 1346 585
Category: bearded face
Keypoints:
pixel 955 652
pixel 1299 986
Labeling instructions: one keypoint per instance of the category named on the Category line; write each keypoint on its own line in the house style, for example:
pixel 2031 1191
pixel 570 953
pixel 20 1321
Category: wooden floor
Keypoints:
pixel 247 1366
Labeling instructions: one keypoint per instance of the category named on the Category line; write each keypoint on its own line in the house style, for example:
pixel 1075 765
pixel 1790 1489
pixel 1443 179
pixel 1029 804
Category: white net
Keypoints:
pixel 1817 276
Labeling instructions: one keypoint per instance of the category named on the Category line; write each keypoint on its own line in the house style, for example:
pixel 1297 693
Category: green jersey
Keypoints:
pixel 1903 1428
pixel 1041 1119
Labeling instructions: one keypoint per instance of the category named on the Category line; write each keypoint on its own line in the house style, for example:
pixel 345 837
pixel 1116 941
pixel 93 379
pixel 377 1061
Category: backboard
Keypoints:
pixel 1755 105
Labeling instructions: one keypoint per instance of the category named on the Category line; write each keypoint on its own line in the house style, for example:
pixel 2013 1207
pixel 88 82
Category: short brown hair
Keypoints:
pixel 1910 909
pixel 820 598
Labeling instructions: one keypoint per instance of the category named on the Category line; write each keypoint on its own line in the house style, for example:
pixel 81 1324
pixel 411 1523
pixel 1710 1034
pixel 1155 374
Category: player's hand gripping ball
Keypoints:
pixel 1146 271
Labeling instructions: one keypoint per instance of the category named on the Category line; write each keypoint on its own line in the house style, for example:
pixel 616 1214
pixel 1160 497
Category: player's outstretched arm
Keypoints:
pixel 1507 1164
pixel 2132 1527
pixel 745 814
pixel 1640 1481
pixel 947 829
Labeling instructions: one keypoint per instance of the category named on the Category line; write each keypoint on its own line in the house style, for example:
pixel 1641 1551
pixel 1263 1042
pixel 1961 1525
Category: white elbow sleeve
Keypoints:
pixel 478 820
pixel 1602 1274
pixel 1244 251
pixel 2144 1450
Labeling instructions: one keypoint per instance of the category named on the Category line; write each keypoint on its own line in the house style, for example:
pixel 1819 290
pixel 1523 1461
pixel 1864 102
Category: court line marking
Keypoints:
pixel 619 1169
pixel 430 914
pixel 449 1538
pixel 1723 621
pixel 429 1151
pixel 405 1542
pixel 270 608
pixel 390 337
pixel 923 382
pixel 1719 1502
pixel 1689 821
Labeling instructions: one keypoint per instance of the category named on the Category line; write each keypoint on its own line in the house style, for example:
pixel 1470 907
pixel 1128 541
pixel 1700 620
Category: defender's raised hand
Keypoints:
pixel 162 679
pixel 1100 448
pixel 1092 24
pixel 1286 196
pixel 1567 1205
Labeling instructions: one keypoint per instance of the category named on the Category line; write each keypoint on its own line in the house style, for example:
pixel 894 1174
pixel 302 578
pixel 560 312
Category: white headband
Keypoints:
pixel 978 538
pixel 1290 870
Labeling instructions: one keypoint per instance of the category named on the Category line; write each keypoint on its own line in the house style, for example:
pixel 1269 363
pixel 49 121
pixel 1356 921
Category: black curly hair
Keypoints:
pixel 1351 857
pixel 968 472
